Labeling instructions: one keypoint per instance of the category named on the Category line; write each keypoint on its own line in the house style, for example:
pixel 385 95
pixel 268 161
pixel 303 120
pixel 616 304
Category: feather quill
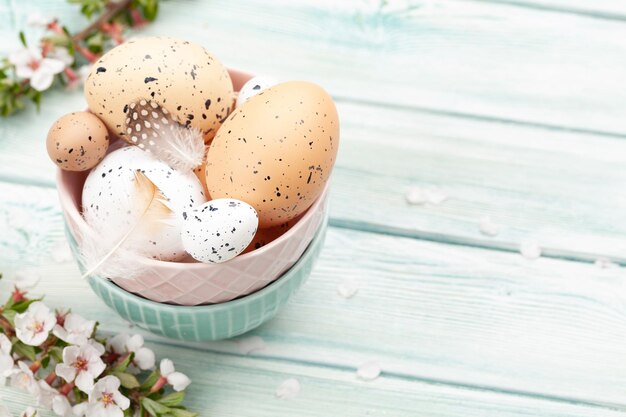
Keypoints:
pixel 115 254
pixel 152 128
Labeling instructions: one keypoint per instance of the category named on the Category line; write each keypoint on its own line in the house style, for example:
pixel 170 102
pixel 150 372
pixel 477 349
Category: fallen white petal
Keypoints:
pixel 488 227
pixel 348 288
pixel 605 263
pixel 26 279
pixel 435 196
pixel 415 196
pixel 290 388
pixel 530 250
pixel 368 371
pixel 250 344
pixel 61 253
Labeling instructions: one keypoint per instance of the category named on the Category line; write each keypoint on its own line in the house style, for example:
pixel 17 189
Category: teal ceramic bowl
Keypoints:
pixel 208 322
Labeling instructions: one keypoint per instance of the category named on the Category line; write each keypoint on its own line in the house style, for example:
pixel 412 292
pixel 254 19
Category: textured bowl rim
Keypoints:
pixel 279 282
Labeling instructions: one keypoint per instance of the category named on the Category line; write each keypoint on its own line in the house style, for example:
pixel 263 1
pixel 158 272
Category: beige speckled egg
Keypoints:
pixel 179 75
pixel 276 151
pixel 77 141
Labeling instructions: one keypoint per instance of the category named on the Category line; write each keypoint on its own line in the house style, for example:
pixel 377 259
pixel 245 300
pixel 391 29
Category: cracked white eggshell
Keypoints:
pixel 110 190
pixel 219 230
pixel 253 87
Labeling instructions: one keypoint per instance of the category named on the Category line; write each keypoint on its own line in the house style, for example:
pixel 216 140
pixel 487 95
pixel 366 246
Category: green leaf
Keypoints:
pixel 150 9
pixel 10 316
pixel 95 42
pixel 123 365
pixel 23 39
pixel 26 351
pixel 56 353
pixel 150 380
pixel 22 306
pixel 154 408
pixel 90 7
pixel 173 399
pixel 181 412
pixel 45 361
pixel 128 381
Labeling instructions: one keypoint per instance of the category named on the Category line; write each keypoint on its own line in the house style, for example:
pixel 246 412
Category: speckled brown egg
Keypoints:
pixel 276 151
pixel 268 235
pixel 178 75
pixel 77 141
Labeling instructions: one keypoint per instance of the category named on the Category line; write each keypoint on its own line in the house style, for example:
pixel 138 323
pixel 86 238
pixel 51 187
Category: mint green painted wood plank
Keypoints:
pixel 603 9
pixel 426 311
pixel 473 58
pixel 558 188
pixel 226 386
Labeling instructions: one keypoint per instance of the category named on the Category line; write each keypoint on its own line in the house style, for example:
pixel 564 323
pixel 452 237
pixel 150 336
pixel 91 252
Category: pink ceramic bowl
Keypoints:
pixel 194 283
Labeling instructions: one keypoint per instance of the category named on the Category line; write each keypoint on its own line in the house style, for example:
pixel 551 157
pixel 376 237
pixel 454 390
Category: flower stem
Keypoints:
pixel 66 389
pixel 50 378
pixel 159 384
pixel 113 8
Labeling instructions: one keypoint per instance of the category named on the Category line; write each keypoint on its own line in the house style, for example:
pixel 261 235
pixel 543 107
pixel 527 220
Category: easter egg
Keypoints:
pixel 200 172
pixel 112 196
pixel 77 141
pixel 276 152
pixel 268 235
pixel 253 87
pixel 179 75
pixel 219 230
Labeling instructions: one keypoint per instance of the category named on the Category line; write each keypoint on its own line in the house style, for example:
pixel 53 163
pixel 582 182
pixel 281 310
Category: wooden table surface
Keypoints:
pixel 513 108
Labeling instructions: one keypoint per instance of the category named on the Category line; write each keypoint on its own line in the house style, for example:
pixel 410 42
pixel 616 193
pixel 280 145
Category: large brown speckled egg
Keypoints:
pixel 77 141
pixel 179 75
pixel 264 236
pixel 276 151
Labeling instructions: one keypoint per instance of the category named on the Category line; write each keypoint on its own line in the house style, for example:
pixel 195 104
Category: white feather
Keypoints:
pixel 152 128
pixel 181 148
pixel 114 255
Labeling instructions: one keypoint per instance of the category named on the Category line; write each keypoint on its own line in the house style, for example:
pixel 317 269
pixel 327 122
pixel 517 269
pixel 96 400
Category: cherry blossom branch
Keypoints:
pixel 63 58
pixel 58 359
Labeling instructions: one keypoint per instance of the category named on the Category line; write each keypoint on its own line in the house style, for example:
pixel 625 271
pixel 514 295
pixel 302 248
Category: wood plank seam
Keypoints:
pixel 478 117
pixel 398 376
pixel 593 14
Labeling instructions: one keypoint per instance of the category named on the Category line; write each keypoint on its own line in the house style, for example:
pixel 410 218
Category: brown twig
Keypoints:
pixel 113 8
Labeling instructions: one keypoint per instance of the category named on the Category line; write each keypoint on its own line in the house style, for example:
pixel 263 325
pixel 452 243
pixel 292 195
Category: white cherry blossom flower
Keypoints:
pixel 46 394
pixel 81 364
pixel 177 380
pixel 6 360
pixel 97 346
pixel 75 330
pixel 122 344
pixel 61 54
pixel 22 378
pixel 30 65
pixel 36 19
pixel 105 400
pixel 33 326
pixel 29 412
pixel 62 407
pixel 26 279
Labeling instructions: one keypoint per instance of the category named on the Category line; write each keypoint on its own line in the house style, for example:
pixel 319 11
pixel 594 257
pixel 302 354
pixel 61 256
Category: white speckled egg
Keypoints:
pixel 178 75
pixel 110 192
pixel 253 87
pixel 219 230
